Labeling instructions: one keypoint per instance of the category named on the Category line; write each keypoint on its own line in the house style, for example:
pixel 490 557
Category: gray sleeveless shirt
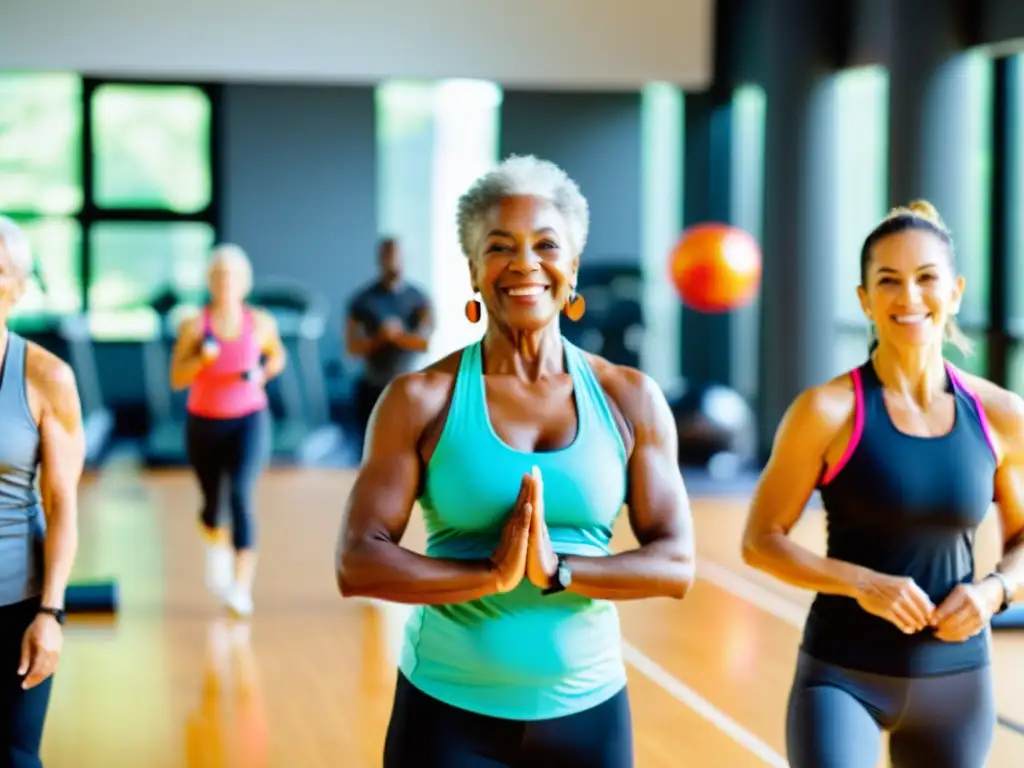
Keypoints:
pixel 22 524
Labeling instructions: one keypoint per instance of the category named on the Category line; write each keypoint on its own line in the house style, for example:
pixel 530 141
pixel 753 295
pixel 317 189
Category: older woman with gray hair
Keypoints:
pixel 42 452
pixel 521 450
pixel 225 356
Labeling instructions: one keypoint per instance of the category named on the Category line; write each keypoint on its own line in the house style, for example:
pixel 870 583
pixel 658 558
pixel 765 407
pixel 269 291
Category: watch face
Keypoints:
pixel 564 576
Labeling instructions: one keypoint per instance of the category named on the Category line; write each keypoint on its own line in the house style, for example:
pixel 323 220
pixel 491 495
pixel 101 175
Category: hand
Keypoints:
pixel 967 610
pixel 391 329
pixel 508 563
pixel 257 376
pixel 541 560
pixel 40 650
pixel 898 600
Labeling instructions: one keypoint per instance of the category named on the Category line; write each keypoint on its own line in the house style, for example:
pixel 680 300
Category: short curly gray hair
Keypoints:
pixel 523 175
pixel 18 248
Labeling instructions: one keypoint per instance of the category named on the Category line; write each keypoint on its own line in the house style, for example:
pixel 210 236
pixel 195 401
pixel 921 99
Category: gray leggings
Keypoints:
pixel 836 717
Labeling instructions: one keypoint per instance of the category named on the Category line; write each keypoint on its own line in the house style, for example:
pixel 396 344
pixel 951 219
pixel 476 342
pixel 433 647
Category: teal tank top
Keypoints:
pixel 520 655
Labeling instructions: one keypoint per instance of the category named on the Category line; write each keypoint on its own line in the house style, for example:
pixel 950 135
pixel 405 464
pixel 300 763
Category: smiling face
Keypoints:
pixel 910 289
pixel 524 266
pixel 229 280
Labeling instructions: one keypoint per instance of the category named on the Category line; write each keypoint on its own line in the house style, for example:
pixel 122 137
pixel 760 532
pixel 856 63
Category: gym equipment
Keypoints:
pixel 164 444
pixel 303 430
pixel 613 325
pixel 92 597
pixel 717 429
pixel 1011 618
pixel 715 267
pixel 97 419
pixel 68 337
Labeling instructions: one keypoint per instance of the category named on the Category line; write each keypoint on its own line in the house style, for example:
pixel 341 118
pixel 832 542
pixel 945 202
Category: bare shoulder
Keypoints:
pixel 415 399
pixel 634 393
pixel 1003 408
pixel 830 404
pixel 53 381
pixel 264 320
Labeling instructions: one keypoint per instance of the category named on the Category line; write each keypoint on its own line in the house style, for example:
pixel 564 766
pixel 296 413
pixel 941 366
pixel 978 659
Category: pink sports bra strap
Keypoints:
pixel 954 376
pixel 858 427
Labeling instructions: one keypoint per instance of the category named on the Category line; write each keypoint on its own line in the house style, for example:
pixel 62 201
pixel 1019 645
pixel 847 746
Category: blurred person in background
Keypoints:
pixel 225 356
pixel 389 324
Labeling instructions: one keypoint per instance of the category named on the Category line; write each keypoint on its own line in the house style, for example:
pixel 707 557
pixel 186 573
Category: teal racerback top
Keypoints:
pixel 520 655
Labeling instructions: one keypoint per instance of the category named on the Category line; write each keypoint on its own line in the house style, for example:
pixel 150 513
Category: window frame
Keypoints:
pixel 92 214
pixel 89 214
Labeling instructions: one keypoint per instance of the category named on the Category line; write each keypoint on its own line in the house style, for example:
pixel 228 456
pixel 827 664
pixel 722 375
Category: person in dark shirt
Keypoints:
pixel 908 454
pixel 388 325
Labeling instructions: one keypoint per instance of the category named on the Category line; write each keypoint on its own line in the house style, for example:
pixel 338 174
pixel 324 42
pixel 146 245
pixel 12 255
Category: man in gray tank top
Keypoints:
pixel 388 325
pixel 40 429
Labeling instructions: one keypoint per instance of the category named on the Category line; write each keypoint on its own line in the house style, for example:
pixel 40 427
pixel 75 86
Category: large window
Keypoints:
pixel 120 221
pixel 972 225
pixel 749 110
pixel 433 140
pixel 861 100
pixel 1014 151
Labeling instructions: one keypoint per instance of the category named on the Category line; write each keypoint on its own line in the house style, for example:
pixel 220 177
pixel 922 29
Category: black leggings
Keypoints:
pixel 22 713
pixel 427 733
pixel 237 449
pixel 836 717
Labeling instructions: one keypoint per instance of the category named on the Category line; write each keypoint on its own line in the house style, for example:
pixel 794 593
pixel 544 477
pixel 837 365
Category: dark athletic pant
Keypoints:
pixel 426 733
pixel 236 450
pixel 22 713
pixel 836 717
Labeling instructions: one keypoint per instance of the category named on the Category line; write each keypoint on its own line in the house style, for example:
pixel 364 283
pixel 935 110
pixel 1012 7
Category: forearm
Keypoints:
pixel 59 550
pixel 658 569
pixel 274 365
pixel 361 346
pixel 780 556
pixel 386 571
pixel 184 371
pixel 412 342
pixel 1012 566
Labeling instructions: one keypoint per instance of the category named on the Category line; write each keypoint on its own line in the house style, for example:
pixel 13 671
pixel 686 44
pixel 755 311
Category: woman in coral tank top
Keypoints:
pixel 225 356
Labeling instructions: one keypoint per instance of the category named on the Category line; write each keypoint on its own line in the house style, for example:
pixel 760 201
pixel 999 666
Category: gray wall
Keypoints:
pixel 596 138
pixel 299 186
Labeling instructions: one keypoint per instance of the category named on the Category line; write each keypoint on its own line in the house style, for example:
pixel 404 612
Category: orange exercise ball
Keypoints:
pixel 715 267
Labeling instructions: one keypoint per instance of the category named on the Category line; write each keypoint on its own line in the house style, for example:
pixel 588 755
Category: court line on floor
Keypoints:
pixel 739 586
pixel 690 698
pixel 395 615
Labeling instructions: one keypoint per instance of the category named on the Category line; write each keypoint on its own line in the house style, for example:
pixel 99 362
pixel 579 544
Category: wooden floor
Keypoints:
pixel 308 681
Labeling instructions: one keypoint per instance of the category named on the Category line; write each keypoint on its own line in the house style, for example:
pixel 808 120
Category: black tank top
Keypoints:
pixel 905 506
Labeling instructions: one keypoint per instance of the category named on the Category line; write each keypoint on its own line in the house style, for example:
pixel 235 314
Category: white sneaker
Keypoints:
pixel 220 569
pixel 239 600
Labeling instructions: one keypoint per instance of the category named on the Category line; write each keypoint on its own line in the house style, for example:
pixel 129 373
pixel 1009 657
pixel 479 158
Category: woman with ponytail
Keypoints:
pixel 907 453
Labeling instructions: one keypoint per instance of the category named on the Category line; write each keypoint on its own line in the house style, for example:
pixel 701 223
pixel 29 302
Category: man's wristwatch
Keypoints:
pixel 57 613
pixel 1008 590
pixel 562 578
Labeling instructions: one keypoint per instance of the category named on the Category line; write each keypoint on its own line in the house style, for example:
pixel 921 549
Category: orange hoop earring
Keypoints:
pixel 473 311
pixel 575 307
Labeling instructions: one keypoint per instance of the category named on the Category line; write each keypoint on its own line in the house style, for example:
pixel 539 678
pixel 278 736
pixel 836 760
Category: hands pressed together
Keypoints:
pixel 964 613
pixel 525 547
